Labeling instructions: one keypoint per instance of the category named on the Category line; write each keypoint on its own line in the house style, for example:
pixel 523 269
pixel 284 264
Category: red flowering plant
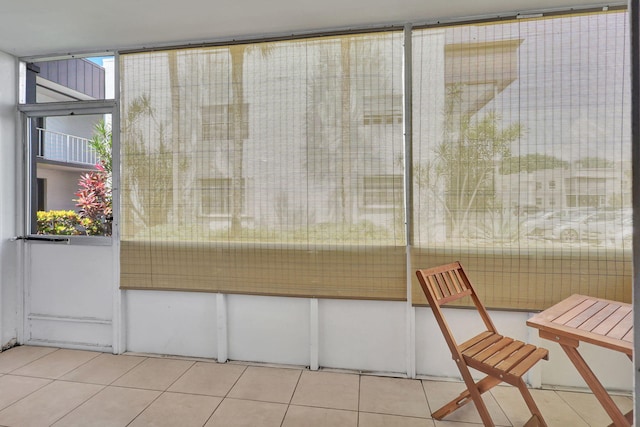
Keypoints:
pixel 95 202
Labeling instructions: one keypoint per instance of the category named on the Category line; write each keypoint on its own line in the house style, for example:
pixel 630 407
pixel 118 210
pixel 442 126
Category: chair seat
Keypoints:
pixel 500 356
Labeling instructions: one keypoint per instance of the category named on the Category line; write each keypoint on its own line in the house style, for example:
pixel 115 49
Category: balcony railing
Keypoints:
pixel 65 148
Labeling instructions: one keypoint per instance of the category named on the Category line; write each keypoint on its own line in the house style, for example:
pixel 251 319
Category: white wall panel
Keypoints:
pixel 69 295
pixel 363 335
pixel 71 280
pixel 175 323
pixel 433 358
pixel 268 329
pixel 71 334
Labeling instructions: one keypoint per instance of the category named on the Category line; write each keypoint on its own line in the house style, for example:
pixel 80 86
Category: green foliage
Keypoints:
pixel 594 163
pixel 497 225
pixel 327 233
pixel 531 163
pixel 63 223
pixel 147 166
pixel 465 161
pixel 102 144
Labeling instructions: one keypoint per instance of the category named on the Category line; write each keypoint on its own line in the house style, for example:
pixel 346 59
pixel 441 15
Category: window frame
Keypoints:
pixel 67 108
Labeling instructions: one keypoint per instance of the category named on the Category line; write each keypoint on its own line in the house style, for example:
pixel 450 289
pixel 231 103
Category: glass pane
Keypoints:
pixel 71 175
pixel 66 80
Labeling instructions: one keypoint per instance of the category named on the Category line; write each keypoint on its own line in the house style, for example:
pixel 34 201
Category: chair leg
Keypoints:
pixel 466 396
pixel 531 404
pixel 480 405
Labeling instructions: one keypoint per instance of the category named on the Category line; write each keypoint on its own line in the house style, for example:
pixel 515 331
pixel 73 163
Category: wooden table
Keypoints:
pixel 600 322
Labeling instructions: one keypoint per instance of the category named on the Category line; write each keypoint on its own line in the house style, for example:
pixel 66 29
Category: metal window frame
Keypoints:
pixel 67 108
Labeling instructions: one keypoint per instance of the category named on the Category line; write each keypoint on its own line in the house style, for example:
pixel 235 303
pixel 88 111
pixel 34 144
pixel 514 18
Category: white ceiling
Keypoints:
pixel 45 27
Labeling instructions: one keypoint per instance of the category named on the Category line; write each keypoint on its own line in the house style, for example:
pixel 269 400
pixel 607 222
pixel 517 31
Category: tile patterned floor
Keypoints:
pixel 42 386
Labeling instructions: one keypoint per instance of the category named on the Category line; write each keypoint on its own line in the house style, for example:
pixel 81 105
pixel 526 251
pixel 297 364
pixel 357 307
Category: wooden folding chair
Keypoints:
pixel 501 358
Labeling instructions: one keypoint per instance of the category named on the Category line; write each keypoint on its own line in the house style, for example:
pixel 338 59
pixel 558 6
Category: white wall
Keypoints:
pixel 368 336
pixel 176 323
pixel 8 173
pixel 61 187
pixel 362 335
pixel 252 322
pixel 70 295
pixel 82 126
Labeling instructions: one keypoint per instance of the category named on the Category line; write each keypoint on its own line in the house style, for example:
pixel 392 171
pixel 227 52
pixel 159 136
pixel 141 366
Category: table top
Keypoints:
pixel 582 318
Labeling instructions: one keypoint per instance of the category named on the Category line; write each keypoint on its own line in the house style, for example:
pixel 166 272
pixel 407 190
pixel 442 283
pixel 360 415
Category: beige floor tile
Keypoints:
pixel 393 396
pixel 213 379
pixel 327 390
pixel 441 393
pixel 47 405
pixel 381 420
pixel 257 396
pixel 17 357
pixel 588 407
pixel 56 364
pixel 176 409
pixel 104 369
pixel 154 374
pixel 13 388
pixel 112 407
pixel 247 413
pixel 556 412
pixel 304 416
pixel 512 403
pixel 266 384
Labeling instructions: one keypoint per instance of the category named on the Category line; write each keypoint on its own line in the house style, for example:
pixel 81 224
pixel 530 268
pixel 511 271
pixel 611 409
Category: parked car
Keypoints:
pixel 598 226
pixel 540 225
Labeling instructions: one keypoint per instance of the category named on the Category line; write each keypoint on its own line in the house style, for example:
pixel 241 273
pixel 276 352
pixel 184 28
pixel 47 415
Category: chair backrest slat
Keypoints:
pixel 454 280
pixel 442 285
pixel 464 283
pixel 446 283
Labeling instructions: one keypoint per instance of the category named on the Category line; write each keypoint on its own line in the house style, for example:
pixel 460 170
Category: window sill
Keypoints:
pixel 69 240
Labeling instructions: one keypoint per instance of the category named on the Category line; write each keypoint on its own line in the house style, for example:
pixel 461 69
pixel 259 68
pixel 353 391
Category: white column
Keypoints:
pixel 314 340
pixel 221 328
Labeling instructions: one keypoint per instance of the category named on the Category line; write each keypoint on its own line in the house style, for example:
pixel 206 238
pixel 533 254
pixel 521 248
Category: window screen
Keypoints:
pixel 522 157
pixel 278 168
pixel 266 168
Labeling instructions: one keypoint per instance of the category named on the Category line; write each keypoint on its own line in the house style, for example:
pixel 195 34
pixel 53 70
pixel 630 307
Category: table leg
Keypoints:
pixel 619 420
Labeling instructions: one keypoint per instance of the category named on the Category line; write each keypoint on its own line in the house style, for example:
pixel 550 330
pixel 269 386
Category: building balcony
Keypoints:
pixel 64 148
